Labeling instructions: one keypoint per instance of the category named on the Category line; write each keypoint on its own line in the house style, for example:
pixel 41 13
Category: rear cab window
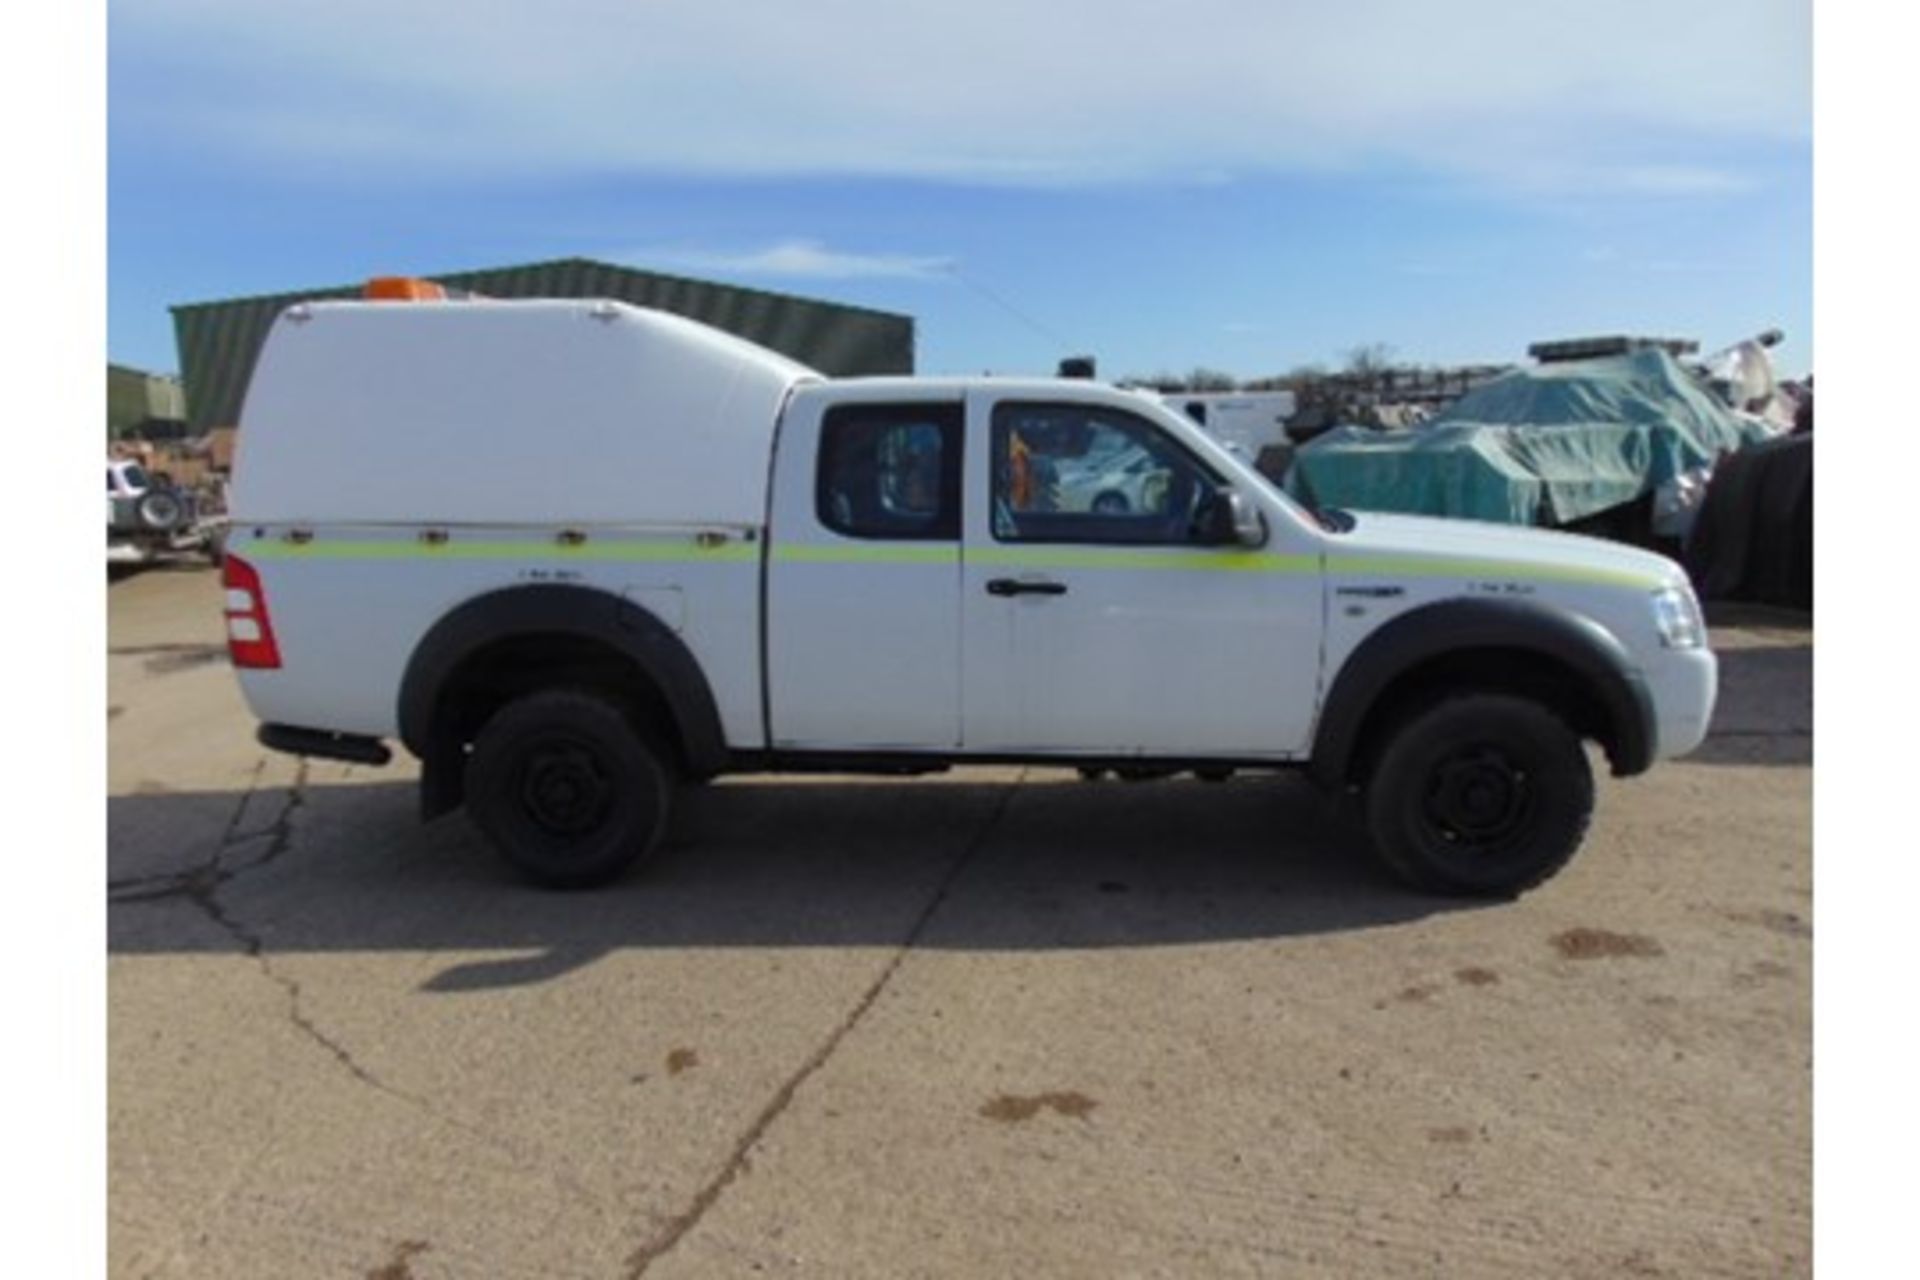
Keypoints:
pixel 890 471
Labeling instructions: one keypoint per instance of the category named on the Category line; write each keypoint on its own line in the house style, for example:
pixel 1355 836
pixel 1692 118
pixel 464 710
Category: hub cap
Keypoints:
pixel 1477 796
pixel 564 787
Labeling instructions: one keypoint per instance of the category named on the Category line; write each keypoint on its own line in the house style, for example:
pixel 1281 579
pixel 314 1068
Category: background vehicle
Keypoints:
pixel 1248 421
pixel 1127 479
pixel 608 550
pixel 147 516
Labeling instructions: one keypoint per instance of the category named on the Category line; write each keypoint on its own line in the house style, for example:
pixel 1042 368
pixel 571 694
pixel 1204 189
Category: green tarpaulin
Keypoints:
pixel 1544 445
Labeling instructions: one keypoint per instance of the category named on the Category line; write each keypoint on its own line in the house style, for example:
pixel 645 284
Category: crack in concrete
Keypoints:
pixel 737 1163
pixel 198 883
pixel 200 886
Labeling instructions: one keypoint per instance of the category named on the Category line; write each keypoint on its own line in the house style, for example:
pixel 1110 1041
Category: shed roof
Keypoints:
pixel 220 340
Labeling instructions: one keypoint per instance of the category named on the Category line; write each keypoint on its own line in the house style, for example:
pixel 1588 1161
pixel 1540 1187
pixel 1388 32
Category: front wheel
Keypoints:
pixel 567 789
pixel 1483 794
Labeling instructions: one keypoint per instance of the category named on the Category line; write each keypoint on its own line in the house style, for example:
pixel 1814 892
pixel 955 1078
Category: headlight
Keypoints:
pixel 1676 616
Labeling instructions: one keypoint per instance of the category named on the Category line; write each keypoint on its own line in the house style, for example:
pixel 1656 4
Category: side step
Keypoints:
pixel 324 743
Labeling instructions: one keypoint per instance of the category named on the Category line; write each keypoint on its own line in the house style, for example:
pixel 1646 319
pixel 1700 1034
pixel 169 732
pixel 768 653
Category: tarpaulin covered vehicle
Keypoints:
pixel 1546 445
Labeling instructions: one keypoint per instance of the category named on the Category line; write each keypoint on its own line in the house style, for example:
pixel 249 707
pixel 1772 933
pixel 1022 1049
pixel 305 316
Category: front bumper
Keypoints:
pixel 1684 684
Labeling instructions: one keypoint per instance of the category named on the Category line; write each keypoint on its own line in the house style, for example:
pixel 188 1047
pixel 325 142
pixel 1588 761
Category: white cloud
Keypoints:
pixel 1517 92
pixel 806 259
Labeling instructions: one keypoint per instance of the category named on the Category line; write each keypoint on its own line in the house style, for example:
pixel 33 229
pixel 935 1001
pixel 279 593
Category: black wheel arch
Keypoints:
pixel 1521 645
pixel 652 660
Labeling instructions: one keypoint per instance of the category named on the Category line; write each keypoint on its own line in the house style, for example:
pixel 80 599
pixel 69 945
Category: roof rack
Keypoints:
pixel 1611 345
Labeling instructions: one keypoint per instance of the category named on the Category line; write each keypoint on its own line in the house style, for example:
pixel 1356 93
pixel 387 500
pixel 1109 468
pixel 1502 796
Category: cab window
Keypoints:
pixel 1086 473
pixel 890 471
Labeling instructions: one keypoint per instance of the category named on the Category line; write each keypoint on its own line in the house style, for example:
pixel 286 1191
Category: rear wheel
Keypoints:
pixel 1483 794
pixel 567 788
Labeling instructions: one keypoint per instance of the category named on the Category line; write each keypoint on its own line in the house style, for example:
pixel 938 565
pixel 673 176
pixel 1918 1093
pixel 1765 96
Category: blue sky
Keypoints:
pixel 1245 186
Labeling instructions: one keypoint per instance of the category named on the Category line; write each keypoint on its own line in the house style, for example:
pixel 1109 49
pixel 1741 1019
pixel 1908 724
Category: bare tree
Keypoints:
pixel 1371 357
pixel 1205 379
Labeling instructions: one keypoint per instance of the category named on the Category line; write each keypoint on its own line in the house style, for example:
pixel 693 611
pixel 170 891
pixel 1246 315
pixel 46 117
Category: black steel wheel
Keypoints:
pixel 1484 794
pixel 567 788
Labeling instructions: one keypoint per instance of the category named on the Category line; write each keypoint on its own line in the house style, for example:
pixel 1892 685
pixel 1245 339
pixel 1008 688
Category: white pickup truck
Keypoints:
pixel 573 554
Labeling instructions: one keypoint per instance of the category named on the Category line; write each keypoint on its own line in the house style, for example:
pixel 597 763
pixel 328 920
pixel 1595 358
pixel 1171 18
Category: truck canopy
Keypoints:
pixel 506 412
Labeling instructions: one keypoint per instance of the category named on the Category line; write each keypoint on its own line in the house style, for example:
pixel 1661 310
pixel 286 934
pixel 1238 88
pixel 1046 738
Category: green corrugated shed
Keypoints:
pixel 219 340
pixel 135 396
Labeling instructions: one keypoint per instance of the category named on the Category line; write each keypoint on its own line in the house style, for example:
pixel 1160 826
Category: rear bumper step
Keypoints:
pixel 325 743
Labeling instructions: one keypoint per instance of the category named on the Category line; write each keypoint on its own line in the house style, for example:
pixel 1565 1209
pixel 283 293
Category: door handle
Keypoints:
pixel 1020 587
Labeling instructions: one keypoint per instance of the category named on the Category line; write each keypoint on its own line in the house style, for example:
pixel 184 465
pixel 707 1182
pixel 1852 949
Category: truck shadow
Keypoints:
pixel 1764 715
pixel 960 865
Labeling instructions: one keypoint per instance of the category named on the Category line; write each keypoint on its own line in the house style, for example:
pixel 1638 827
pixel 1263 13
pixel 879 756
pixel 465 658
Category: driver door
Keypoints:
pixel 1097 621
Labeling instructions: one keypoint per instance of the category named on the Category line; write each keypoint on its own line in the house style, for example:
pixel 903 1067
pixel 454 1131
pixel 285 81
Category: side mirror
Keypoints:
pixel 1228 516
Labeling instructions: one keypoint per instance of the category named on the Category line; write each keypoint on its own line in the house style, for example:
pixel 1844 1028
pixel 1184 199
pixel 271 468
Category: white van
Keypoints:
pixel 572 554
pixel 1245 421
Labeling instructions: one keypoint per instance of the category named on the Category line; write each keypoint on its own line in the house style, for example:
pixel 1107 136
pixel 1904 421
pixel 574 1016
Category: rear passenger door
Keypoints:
pixel 863 584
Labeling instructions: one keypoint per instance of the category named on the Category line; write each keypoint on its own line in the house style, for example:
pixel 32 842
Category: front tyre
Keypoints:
pixel 1483 794
pixel 567 789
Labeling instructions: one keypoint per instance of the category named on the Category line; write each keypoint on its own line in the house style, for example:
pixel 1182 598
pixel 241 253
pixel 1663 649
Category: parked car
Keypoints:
pixel 149 516
pixel 1133 481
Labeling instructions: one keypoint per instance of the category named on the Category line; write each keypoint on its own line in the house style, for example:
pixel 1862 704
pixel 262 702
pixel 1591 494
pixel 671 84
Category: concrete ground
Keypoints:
pixel 999 1022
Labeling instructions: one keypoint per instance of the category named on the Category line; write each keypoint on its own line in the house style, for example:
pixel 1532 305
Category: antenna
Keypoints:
pixel 998 301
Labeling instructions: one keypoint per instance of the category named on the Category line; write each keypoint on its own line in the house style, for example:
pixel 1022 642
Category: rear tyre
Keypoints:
pixel 1111 504
pixel 1481 794
pixel 567 788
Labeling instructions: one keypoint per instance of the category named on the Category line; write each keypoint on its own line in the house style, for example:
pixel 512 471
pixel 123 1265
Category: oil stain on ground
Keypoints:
pixel 1475 976
pixel 1602 944
pixel 1781 922
pixel 165 659
pixel 1761 972
pixel 682 1060
pixel 1012 1109
pixel 1419 993
pixel 398 1266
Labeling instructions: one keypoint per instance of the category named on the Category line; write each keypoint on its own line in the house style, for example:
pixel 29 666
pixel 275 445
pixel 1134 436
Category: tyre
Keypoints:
pixel 1111 504
pixel 161 509
pixel 1483 794
pixel 568 790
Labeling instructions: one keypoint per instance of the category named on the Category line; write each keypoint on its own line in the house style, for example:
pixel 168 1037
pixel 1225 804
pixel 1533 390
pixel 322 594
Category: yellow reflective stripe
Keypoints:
pixel 1417 567
pixel 458 549
pixel 892 553
pixel 1050 558
pixel 1128 558
pixel 1036 558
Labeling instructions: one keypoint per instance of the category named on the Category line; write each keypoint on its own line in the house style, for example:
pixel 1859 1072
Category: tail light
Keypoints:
pixel 250 640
